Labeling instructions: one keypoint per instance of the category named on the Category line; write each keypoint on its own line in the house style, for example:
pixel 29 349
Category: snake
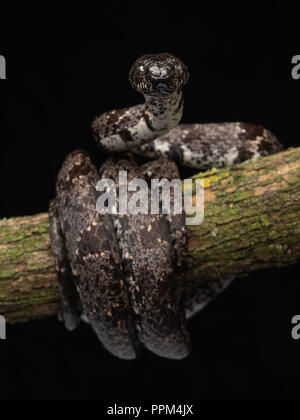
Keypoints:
pixel 152 129
pixel 128 270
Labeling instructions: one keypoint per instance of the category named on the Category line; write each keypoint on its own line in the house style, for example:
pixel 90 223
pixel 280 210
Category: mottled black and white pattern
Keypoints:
pixel 203 146
pixel 152 255
pixel 128 270
pixel 160 78
pixel 152 129
pixel 87 257
pixel 196 299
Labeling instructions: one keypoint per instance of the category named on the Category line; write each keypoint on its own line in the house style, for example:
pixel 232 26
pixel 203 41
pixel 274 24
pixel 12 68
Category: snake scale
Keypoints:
pixel 128 270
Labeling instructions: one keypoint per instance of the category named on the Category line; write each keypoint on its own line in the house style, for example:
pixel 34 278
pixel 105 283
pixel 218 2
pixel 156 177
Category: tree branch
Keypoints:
pixel 252 221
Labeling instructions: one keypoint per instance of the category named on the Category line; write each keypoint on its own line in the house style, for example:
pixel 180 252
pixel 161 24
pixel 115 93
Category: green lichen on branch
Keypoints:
pixel 252 222
pixel 27 275
pixel 252 218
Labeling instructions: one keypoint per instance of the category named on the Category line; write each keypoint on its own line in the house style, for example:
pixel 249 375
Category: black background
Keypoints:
pixel 63 68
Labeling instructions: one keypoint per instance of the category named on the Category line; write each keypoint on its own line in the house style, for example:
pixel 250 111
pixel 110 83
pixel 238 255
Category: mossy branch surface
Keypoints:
pixel 252 222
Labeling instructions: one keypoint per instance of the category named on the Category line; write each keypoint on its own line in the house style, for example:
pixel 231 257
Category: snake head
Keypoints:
pixel 158 74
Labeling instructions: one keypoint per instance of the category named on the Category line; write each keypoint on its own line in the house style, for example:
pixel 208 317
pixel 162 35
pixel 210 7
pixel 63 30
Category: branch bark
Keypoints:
pixel 252 222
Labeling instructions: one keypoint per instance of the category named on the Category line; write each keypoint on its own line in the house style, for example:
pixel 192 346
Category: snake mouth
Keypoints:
pixel 158 74
pixel 159 88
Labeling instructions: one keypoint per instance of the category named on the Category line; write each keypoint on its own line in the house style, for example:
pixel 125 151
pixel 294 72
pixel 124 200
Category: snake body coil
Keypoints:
pixel 152 129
